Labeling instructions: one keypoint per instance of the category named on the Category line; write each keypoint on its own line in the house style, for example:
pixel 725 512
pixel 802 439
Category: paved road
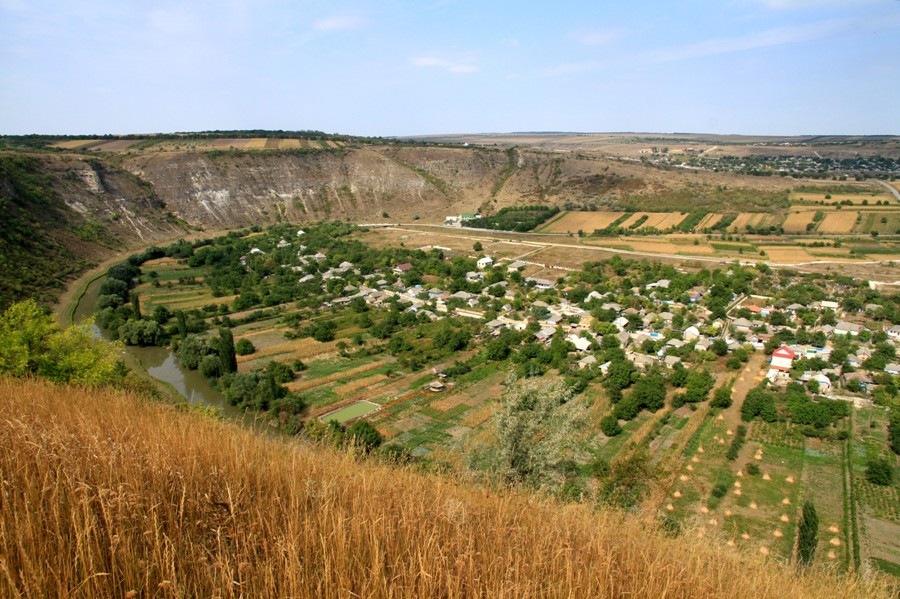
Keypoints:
pixel 891 189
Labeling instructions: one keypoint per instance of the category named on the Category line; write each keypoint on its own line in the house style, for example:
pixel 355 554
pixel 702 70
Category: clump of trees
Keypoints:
pixel 32 344
pixel 514 218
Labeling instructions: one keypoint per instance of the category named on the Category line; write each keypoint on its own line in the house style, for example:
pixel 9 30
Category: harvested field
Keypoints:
pixel 570 222
pixel 755 220
pixel 73 144
pixel 837 222
pixel 796 222
pixel 786 254
pixel 257 143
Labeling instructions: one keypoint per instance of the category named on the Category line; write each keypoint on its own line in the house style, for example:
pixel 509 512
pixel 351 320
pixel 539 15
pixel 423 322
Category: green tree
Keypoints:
pixel 364 436
pixel 224 346
pixel 879 471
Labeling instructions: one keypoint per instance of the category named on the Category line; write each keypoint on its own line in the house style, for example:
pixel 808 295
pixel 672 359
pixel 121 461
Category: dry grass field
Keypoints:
pixel 107 495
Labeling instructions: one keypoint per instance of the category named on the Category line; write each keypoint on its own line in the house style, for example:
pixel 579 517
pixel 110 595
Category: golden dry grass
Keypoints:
pixel 108 495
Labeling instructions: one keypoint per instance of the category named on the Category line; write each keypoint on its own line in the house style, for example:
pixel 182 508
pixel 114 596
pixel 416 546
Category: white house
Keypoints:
pixel 894 332
pixel 484 262
pixel 783 358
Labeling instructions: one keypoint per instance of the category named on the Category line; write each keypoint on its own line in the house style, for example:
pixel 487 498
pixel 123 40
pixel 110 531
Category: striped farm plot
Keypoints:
pixel 671 220
pixel 654 219
pixel 837 222
pixel 755 220
pixel 797 222
pixel 709 220
pixel 573 221
pixel 882 222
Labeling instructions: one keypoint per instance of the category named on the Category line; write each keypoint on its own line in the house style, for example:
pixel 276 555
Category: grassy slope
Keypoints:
pixel 104 494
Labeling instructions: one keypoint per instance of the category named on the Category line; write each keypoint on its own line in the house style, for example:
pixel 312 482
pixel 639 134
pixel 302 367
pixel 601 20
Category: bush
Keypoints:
pixel 752 469
pixel 879 471
pixel 610 426
pixel 720 490
pixel 244 347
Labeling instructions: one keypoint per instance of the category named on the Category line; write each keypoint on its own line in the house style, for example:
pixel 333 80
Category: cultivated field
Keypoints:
pixel 797 221
pixel 571 222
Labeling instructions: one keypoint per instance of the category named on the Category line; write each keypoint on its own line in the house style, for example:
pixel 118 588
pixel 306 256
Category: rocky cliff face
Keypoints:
pixel 362 184
pixel 66 209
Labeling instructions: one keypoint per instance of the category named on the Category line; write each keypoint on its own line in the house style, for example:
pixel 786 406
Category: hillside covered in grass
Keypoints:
pixel 105 494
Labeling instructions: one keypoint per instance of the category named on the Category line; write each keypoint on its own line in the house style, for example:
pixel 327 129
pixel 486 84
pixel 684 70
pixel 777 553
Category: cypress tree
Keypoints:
pixel 226 350
pixel 808 534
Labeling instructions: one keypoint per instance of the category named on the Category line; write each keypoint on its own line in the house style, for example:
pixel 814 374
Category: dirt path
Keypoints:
pixel 751 376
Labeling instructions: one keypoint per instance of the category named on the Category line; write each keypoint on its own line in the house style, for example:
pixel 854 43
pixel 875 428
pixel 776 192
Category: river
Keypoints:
pixel 160 362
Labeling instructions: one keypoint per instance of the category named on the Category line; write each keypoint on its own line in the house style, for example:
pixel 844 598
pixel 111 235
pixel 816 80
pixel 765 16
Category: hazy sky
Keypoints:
pixel 395 67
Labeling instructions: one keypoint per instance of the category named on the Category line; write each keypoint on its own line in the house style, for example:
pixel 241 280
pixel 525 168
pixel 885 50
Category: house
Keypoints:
pixel 515 266
pixel 581 344
pixel 847 328
pixel 671 361
pixel 691 333
pixel 300 233
pixel 402 268
pixel 783 358
pixel 586 362
pixel 545 334
pixel 484 262
pixel 319 256
pixel 828 305
pixel 894 332
pixel 823 381
pixel 540 283
pixel 436 386
pixel 742 325
pixel 283 244
pixel 620 323
pixel 893 369
pixel 306 279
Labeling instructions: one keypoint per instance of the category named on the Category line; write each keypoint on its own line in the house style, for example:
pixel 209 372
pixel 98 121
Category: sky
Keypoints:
pixel 397 67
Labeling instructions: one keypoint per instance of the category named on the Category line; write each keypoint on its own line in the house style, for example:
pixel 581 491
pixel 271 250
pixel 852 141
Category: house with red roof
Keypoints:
pixel 783 358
